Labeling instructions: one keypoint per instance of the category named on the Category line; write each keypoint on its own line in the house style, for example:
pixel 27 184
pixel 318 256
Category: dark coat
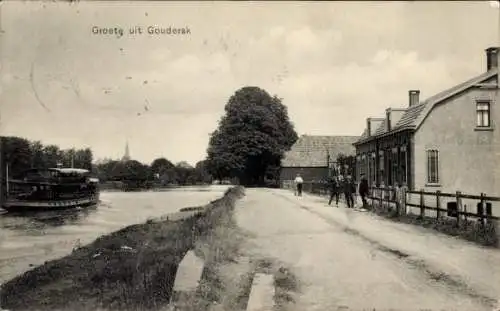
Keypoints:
pixel 333 184
pixel 363 186
pixel 348 186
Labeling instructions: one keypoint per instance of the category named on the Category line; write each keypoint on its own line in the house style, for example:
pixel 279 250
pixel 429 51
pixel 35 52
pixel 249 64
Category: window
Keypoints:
pixel 403 166
pixel 483 114
pixel 395 161
pixel 364 164
pixel 372 168
pixel 432 166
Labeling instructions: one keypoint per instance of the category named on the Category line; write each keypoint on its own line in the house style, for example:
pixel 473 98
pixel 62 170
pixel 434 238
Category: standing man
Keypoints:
pixel 349 188
pixel 363 190
pixel 298 184
pixel 334 191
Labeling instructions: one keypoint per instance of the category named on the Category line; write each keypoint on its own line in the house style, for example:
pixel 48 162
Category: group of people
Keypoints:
pixel 346 185
pixel 338 185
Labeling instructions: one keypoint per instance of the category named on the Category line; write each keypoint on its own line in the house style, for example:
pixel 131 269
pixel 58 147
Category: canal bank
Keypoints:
pixel 132 268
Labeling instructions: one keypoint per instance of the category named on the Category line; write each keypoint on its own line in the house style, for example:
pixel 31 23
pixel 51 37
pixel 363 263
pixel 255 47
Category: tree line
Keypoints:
pixel 160 172
pixel 21 154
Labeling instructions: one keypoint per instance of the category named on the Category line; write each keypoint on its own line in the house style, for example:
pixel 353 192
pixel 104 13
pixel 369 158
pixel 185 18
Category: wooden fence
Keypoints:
pixel 424 203
pixel 437 204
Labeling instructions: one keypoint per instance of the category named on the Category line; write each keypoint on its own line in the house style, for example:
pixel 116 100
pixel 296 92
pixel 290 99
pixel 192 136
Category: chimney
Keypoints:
pixel 369 126
pixel 414 97
pixel 491 58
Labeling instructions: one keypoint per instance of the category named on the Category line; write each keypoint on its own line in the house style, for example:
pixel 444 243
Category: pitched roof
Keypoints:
pixel 440 97
pixel 312 151
pixel 415 115
pixel 364 135
pixel 410 115
pixel 382 128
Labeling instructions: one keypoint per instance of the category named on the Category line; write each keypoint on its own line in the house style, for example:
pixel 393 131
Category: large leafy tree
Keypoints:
pixel 159 165
pixel 129 170
pixel 251 138
pixel 201 172
pixel 16 154
pixel 184 173
pixel 53 155
pixel 164 169
pixel 83 158
pixel 37 155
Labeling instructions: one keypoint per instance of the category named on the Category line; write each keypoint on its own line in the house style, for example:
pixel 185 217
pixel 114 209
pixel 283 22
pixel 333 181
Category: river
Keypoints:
pixel 30 240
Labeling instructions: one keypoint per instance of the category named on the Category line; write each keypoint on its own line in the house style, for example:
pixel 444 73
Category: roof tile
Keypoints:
pixel 410 116
pixel 311 151
pixel 414 115
pixel 382 128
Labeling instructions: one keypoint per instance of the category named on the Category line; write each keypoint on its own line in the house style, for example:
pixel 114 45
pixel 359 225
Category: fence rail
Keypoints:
pixel 443 204
pixel 455 207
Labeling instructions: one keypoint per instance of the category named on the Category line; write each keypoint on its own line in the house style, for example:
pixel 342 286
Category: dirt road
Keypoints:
pixel 348 259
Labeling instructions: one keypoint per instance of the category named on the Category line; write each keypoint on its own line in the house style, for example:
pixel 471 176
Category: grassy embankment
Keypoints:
pixel 131 269
pixel 231 262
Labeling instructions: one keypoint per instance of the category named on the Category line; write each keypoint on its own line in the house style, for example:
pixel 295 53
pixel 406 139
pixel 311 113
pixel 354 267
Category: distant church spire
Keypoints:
pixel 126 156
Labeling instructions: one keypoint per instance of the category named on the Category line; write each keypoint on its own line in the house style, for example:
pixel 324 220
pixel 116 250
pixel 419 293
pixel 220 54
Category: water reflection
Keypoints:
pixel 31 239
pixel 32 221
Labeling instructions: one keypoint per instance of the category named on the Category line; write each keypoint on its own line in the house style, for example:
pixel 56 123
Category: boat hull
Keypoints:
pixel 23 206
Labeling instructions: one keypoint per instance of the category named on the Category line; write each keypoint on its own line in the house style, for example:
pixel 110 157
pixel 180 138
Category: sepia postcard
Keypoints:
pixel 249 155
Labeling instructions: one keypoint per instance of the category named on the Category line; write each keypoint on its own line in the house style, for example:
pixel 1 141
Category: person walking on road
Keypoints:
pixel 363 190
pixel 349 189
pixel 334 190
pixel 298 184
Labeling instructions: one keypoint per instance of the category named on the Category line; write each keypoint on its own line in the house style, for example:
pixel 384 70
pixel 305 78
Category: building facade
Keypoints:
pixel 448 142
pixel 313 157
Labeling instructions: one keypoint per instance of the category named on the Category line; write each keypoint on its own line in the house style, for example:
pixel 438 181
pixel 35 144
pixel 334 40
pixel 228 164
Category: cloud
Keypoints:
pixel 333 63
pixel 354 92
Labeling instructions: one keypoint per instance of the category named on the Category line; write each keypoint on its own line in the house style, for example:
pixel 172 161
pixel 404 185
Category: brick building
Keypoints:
pixel 311 156
pixel 448 142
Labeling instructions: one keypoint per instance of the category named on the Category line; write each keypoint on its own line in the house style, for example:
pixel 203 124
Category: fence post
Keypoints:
pixel 422 206
pixel 483 207
pixel 371 195
pixel 465 215
pixel 398 199
pixel 386 199
pixel 438 204
pixel 390 197
pixel 380 198
pixel 404 200
pixel 459 202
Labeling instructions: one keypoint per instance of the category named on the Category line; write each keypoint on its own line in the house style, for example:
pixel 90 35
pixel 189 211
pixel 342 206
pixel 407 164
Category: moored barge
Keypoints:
pixel 51 189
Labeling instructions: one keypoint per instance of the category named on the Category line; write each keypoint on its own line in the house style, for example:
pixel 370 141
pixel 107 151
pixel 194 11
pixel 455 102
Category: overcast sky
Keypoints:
pixel 333 63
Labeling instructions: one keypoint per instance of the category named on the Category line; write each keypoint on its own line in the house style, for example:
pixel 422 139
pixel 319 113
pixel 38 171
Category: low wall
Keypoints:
pixel 133 268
